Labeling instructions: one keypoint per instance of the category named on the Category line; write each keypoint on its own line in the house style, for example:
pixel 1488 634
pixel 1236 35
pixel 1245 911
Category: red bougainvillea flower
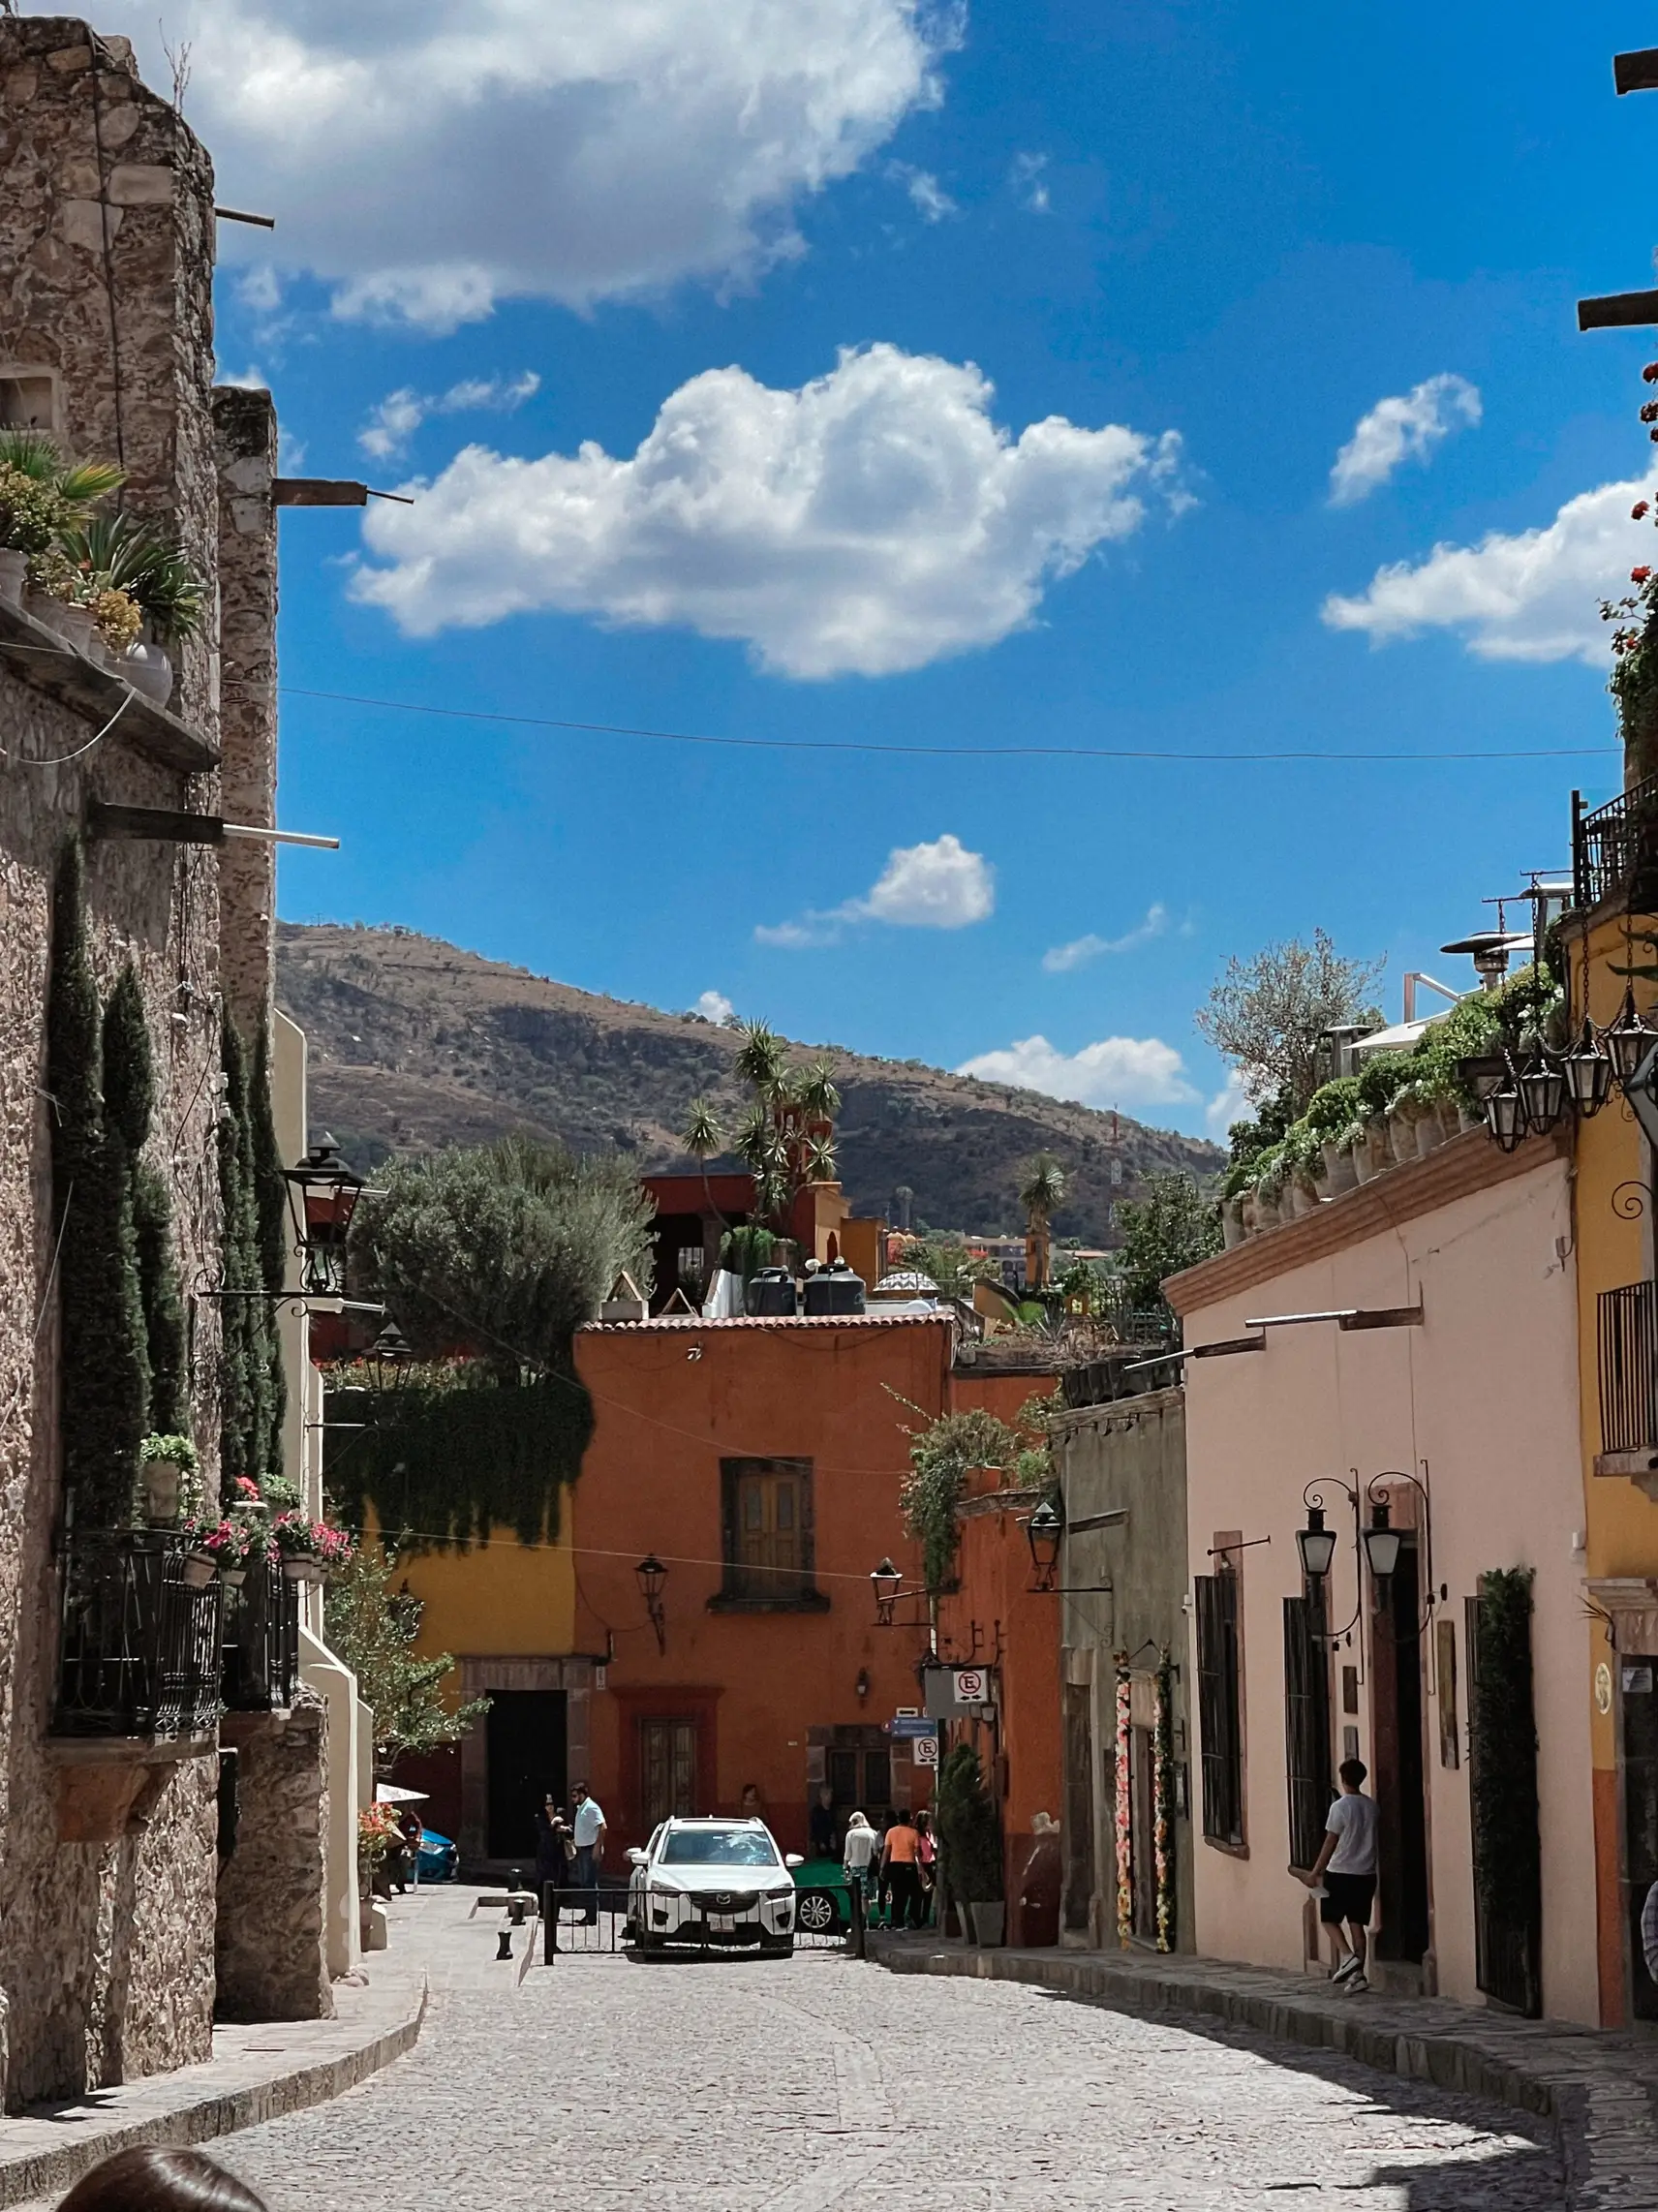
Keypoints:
pixel 1637 510
pixel 1638 575
pixel 1650 374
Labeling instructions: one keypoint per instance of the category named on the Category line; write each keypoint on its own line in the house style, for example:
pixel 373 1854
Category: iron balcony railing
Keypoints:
pixel 1614 850
pixel 1627 1329
pixel 140 1653
pixel 261 1642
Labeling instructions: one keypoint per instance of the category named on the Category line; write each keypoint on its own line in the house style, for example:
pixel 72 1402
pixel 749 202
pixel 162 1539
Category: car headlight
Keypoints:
pixel 664 1890
pixel 776 1893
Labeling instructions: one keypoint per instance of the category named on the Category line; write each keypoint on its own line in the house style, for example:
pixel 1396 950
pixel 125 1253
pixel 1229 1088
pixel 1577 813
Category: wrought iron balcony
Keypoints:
pixel 140 1654
pixel 1627 1329
pixel 1614 850
pixel 261 1642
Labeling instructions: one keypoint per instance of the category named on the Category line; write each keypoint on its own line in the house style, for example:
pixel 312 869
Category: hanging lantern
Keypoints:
pixel 885 1581
pixel 1044 1532
pixel 1316 1544
pixel 1629 1040
pixel 1588 1074
pixel 1505 1113
pixel 323 1193
pixel 1382 1542
pixel 1543 1086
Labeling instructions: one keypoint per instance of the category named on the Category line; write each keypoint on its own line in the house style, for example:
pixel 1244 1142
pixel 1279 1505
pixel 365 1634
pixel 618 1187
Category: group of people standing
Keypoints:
pixel 897 1871
pixel 570 1847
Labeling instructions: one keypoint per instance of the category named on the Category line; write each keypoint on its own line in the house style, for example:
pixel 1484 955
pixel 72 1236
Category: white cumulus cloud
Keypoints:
pixel 936 886
pixel 1116 1071
pixel 1403 428
pixel 927 195
pixel 873 521
pixel 1061 959
pixel 713 1006
pixel 429 159
pixel 1533 595
pixel 1230 1104
pixel 400 414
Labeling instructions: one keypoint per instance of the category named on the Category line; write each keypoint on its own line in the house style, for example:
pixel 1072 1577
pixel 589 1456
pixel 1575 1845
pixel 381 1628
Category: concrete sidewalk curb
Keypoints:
pixel 375 2025
pixel 1599 2090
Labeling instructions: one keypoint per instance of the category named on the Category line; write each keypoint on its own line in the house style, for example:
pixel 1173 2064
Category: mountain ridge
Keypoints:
pixel 414 1043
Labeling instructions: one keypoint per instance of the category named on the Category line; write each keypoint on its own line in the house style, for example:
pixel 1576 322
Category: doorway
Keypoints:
pixel 1637 1703
pixel 1400 1781
pixel 525 1734
pixel 1079 1803
pixel 667 1771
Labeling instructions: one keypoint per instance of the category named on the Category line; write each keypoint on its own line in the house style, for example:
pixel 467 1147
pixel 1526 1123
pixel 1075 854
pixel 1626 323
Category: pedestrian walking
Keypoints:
pixel 554 1847
pixel 901 1873
pixel 926 1864
pixel 588 1835
pixel 857 1855
pixel 1345 1869
pixel 146 2178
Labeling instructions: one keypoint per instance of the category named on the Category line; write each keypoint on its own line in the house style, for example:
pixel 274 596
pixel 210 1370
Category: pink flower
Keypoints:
pixel 1650 374
pixel 1638 509
pixel 1638 575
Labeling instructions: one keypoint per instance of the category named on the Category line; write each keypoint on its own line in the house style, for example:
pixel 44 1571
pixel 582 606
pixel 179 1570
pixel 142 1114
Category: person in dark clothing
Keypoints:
pixel 822 1824
pixel 553 1846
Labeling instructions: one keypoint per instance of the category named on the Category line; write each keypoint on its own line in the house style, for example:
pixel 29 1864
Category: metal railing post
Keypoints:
pixel 860 1932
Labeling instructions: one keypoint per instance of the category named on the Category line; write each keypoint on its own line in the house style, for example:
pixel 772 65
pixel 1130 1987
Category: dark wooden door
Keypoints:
pixel 1079 1803
pixel 1307 1727
pixel 667 1770
pixel 524 1740
pixel 1638 1700
pixel 1142 1831
pixel 1400 1782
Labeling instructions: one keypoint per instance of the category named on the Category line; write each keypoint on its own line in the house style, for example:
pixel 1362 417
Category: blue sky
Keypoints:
pixel 1193 247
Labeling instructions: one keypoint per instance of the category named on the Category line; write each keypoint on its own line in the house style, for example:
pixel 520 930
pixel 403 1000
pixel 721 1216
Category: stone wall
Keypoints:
pixel 245 429
pixel 272 1958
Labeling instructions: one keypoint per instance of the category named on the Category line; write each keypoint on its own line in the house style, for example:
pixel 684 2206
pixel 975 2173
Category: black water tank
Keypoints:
pixel 771 1293
pixel 835 1289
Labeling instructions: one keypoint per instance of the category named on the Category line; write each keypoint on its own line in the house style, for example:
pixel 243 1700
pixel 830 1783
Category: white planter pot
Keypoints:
pixel 1339 1169
pixel 1303 1193
pixel 1430 1133
pixel 162 1479
pixel 1467 1119
pixel 988 1923
pixel 1231 1229
pixel 13 576
pixel 200 1569
pixel 1402 1135
pixel 149 671
pixel 76 625
pixel 1269 1211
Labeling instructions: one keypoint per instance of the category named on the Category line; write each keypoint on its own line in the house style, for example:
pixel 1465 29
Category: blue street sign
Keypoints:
pixel 912 1726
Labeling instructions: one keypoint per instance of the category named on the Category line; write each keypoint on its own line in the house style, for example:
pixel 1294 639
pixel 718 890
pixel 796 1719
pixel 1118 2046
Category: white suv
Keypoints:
pixel 713 1882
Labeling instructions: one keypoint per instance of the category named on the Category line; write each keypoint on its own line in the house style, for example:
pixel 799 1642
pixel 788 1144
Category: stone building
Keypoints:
pixel 116 1805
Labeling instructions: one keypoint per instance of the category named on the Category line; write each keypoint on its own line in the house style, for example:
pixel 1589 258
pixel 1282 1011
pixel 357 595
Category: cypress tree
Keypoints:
pixel 104 1402
pixel 129 1106
pixel 244 1378
pixel 270 1200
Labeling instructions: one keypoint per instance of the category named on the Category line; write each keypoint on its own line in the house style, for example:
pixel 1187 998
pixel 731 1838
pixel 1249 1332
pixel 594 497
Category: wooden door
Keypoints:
pixel 667 1770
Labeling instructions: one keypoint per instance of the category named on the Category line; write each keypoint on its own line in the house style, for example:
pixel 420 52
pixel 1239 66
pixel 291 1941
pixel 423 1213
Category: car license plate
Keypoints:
pixel 723 1923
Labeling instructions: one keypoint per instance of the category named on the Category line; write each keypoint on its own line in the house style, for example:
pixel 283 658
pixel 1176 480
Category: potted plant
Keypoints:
pixel 30 516
pixel 167 1467
pixel 1271 1209
pixel 377 1833
pixel 122 555
pixel 971 1838
pixel 310 1550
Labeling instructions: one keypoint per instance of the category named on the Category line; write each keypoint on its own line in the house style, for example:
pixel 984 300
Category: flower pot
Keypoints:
pixel 1467 1119
pixel 1302 1193
pixel 1401 1134
pixel 1248 1213
pixel 1339 1169
pixel 1429 1132
pixel 232 1577
pixel 300 1570
pixel 13 576
pixel 149 672
pixel 989 1921
pixel 1267 1209
pixel 161 1479
pixel 77 628
pixel 1379 1146
pixel 1363 1163
pixel 1231 1229
pixel 200 1569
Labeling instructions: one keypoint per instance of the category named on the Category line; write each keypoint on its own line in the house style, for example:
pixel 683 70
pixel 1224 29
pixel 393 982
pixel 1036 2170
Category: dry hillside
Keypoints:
pixel 415 1044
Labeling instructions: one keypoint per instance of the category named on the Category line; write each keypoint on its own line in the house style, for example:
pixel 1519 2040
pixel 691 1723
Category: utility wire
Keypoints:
pixel 930 752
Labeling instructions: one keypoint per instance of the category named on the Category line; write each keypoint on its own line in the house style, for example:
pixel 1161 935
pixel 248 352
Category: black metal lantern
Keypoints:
pixel 1629 1040
pixel 651 1574
pixel 1543 1086
pixel 1588 1074
pixel 1044 1532
pixel 885 1581
pixel 322 1192
pixel 1382 1542
pixel 390 1357
pixel 1316 1544
pixel 1505 1113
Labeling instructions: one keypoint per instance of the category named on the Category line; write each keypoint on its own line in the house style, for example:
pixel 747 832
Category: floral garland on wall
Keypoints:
pixel 1124 1811
pixel 1163 1815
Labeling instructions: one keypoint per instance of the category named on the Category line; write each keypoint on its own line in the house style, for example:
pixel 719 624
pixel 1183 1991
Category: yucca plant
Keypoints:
pixel 124 554
pixel 79 484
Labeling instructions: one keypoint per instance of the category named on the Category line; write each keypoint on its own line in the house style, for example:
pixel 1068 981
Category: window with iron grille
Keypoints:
pixel 1307 1727
pixel 767 1532
pixel 1219 1711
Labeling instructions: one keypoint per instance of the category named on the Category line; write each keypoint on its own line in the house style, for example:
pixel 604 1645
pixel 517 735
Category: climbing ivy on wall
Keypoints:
pixel 129 1108
pixel 456 1454
pixel 1503 1737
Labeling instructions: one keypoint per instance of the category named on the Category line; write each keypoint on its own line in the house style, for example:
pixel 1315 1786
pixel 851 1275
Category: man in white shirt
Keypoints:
pixel 588 1835
pixel 857 1852
pixel 1346 1869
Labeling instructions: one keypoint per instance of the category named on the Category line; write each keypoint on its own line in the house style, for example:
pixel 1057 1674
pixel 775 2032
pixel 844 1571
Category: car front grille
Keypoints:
pixel 726 1901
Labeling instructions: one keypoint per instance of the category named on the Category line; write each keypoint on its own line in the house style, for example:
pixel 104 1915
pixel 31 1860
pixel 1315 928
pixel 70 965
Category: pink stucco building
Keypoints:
pixel 1455 1369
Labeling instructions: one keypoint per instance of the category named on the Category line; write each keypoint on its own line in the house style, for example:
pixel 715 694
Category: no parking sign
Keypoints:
pixel 925 1751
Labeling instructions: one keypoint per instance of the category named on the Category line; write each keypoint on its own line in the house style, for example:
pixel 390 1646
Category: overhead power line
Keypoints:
pixel 937 752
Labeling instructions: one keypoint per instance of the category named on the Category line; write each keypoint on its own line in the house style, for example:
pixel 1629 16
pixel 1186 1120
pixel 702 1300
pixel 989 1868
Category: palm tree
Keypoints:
pixel 818 1096
pixel 761 1058
pixel 1042 1194
pixel 702 1138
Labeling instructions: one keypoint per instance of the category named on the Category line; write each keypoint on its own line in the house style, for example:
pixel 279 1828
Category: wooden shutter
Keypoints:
pixel 1307 1728
pixel 1218 1715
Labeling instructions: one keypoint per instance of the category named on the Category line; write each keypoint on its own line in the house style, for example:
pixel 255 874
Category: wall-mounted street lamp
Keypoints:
pixel 886 1582
pixel 1316 1544
pixel 651 1574
pixel 390 1357
pixel 1044 1532
pixel 323 1193
pixel 1383 1542
pixel 862 1684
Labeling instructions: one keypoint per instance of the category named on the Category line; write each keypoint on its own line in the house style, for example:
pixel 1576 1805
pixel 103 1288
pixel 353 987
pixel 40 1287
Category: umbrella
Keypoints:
pixel 388 1793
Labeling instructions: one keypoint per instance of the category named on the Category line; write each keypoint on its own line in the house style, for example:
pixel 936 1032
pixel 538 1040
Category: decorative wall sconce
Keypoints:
pixel 651 1574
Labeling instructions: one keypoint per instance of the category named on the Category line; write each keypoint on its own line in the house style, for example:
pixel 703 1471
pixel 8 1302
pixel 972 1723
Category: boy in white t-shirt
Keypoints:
pixel 1346 1868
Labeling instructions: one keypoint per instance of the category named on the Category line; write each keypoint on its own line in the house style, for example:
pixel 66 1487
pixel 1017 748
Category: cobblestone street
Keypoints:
pixel 795 2086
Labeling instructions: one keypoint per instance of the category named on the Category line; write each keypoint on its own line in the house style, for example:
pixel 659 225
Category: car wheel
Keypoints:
pixel 816 1913
pixel 784 1949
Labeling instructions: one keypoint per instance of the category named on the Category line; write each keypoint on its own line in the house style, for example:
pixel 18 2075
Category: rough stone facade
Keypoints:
pixel 107 1862
pixel 272 1953
pixel 245 429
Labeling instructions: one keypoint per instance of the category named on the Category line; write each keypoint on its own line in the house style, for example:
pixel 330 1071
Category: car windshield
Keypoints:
pixel 719 1847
